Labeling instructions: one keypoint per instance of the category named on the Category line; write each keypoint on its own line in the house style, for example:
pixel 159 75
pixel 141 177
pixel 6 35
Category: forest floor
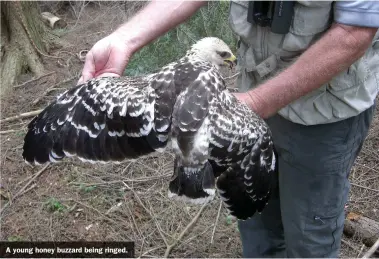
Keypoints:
pixel 74 201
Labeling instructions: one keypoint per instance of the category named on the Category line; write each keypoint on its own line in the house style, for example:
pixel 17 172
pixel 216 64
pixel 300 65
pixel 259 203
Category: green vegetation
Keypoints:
pixel 14 238
pixel 87 188
pixel 54 205
pixel 20 133
pixel 209 21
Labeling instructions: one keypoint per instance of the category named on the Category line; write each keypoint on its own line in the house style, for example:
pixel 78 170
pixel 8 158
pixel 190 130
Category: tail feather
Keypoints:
pixel 195 184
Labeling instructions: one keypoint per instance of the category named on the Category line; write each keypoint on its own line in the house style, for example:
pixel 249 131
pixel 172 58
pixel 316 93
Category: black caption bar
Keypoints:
pixel 66 249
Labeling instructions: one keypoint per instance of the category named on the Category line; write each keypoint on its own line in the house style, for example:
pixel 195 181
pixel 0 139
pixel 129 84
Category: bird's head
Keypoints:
pixel 214 50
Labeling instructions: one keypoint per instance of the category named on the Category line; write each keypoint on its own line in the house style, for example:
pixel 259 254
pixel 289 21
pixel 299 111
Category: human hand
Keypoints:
pixel 108 57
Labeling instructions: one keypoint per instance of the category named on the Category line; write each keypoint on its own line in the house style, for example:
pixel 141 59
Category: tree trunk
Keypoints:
pixel 23 39
pixel 366 228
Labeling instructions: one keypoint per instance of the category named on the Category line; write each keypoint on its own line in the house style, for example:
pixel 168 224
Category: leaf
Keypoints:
pixel 229 220
pixel 353 216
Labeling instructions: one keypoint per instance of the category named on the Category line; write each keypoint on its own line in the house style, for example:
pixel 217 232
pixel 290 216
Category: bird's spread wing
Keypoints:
pixel 105 119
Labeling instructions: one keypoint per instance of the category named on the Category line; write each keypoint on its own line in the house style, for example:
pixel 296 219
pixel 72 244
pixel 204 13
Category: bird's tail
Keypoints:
pixel 192 184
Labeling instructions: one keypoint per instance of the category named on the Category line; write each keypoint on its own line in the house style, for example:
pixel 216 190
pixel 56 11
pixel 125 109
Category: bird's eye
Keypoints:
pixel 223 54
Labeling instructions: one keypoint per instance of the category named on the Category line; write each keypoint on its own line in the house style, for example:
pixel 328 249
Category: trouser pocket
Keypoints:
pixel 323 234
pixel 324 223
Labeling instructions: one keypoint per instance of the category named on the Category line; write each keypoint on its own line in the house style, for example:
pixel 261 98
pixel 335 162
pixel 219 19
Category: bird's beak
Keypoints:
pixel 231 61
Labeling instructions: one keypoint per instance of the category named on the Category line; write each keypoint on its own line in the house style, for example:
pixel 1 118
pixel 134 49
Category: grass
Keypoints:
pixel 87 189
pixel 54 205
pixel 209 21
pixel 14 238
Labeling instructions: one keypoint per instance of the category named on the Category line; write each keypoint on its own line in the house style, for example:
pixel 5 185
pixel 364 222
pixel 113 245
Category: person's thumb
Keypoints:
pixel 89 68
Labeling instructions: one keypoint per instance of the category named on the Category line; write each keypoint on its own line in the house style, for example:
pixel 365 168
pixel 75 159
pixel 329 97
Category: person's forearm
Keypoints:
pixel 154 20
pixel 340 47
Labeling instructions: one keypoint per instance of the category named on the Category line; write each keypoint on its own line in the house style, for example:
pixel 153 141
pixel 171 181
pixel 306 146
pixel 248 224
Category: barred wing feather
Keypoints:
pixel 105 119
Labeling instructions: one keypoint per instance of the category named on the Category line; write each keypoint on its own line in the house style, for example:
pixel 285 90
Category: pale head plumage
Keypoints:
pixel 213 50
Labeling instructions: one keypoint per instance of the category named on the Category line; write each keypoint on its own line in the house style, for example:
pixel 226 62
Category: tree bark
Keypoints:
pixel 366 228
pixel 23 38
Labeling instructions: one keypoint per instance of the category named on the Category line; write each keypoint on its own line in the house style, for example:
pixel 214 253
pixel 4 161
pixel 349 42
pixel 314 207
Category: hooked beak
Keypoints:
pixel 231 61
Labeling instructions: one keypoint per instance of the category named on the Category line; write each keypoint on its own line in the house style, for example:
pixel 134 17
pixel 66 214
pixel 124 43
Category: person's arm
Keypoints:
pixel 157 18
pixel 110 55
pixel 340 47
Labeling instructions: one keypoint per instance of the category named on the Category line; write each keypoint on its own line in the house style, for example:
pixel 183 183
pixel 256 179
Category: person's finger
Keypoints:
pixel 89 68
pixel 80 81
